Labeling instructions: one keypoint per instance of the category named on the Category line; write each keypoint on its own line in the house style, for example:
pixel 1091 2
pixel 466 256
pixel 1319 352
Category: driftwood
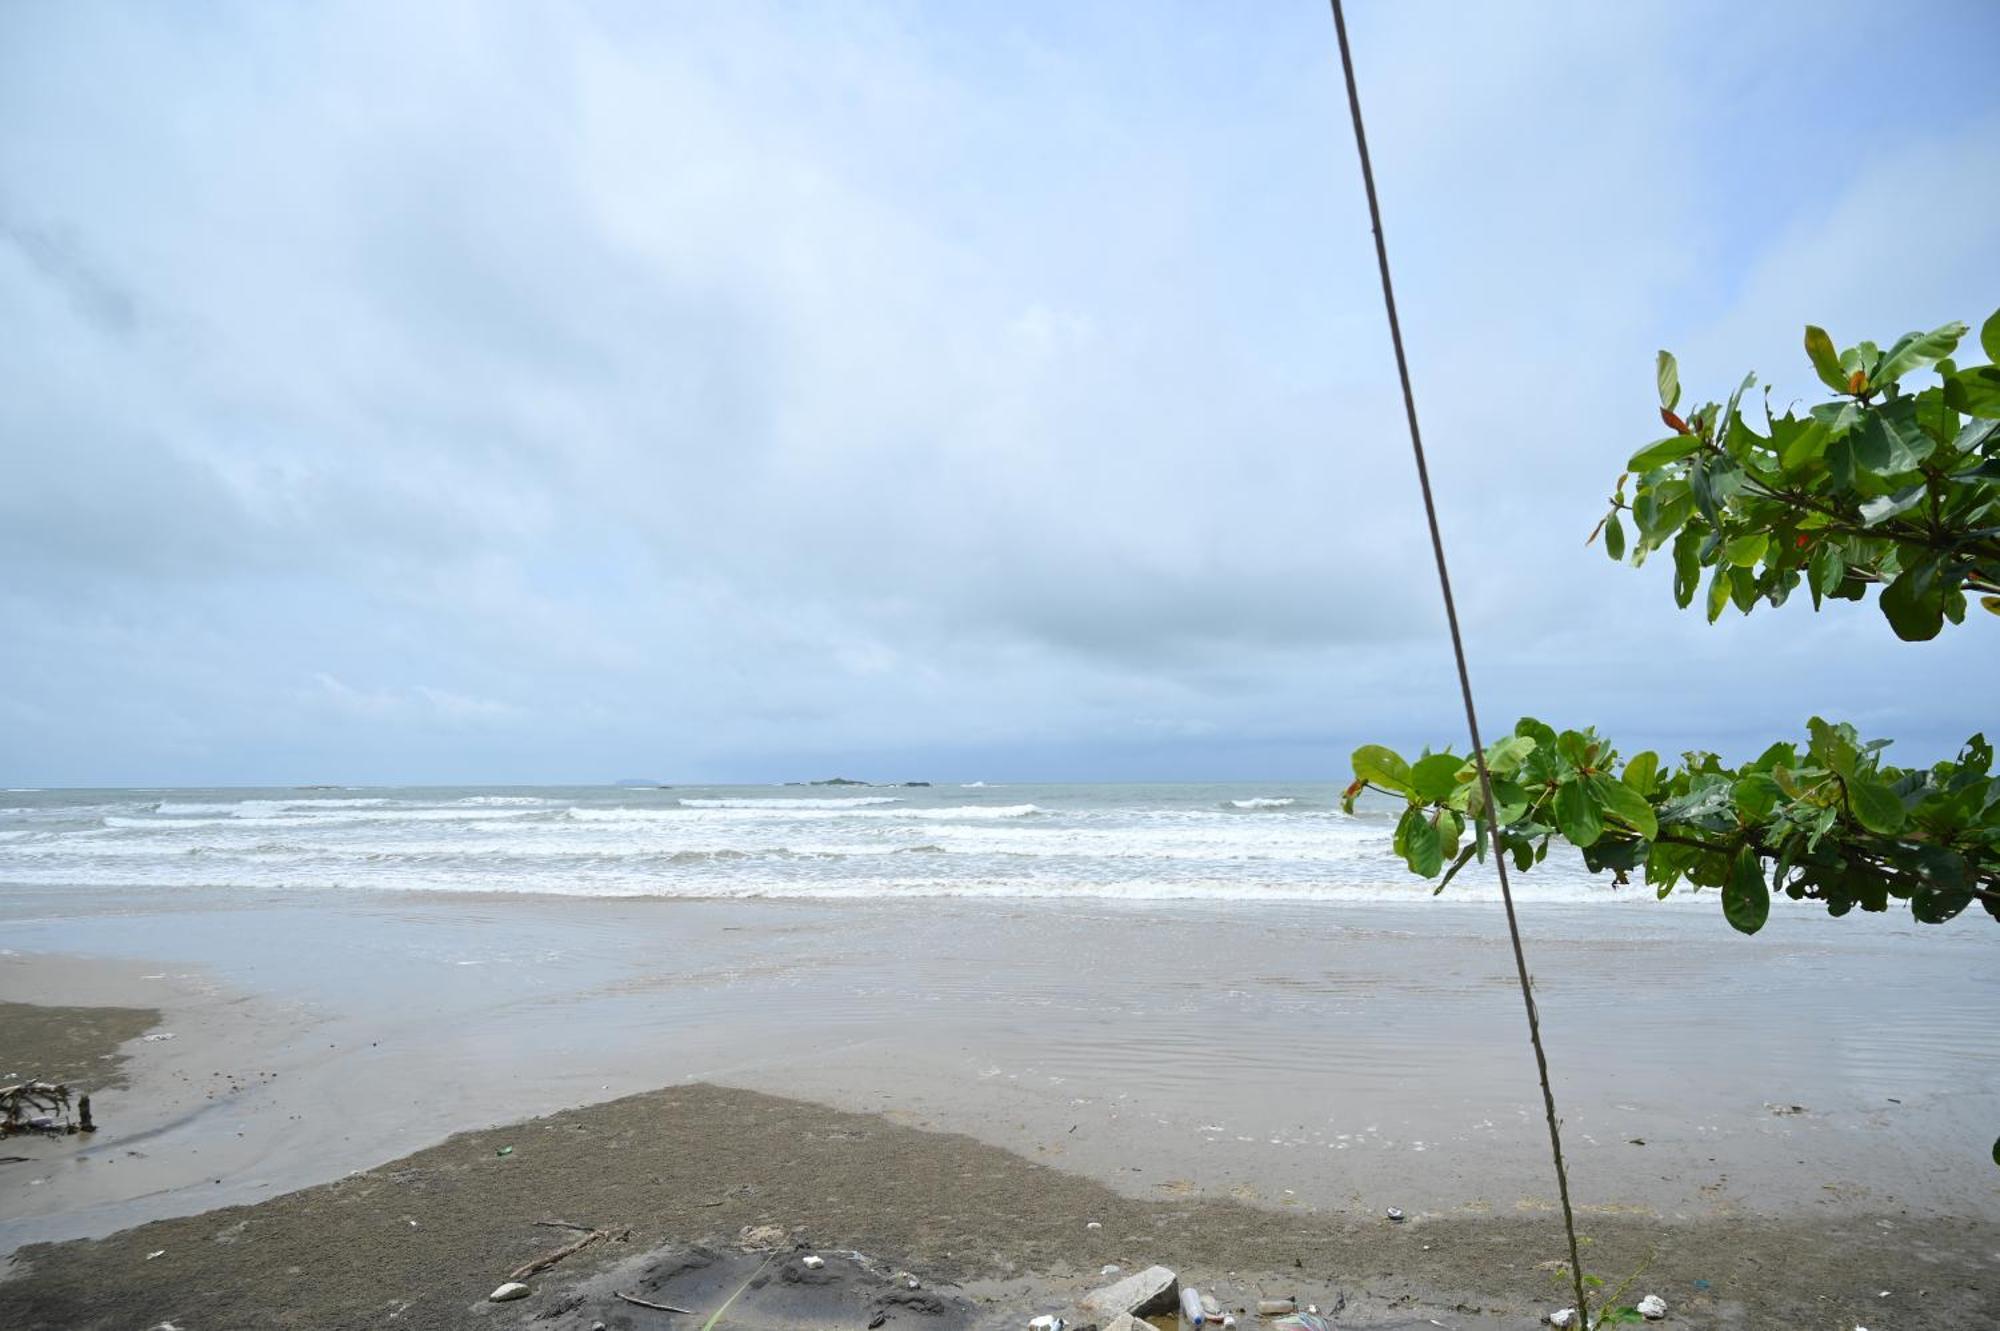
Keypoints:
pixel 657 1307
pixel 543 1263
pixel 32 1106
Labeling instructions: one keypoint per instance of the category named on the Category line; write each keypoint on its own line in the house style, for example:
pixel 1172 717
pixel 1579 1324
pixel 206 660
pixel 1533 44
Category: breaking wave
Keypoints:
pixel 784 802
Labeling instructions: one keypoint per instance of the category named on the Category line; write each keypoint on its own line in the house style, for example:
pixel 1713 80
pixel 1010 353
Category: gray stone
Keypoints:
pixel 508 1292
pixel 1153 1290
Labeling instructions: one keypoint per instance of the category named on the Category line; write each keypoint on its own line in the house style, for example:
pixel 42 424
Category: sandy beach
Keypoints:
pixel 1228 1089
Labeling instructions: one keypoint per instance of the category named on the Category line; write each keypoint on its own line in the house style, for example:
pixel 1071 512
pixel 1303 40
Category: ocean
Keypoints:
pixel 1261 841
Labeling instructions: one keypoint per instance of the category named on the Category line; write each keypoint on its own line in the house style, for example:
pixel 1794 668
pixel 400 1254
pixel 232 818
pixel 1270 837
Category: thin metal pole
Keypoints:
pixel 1464 674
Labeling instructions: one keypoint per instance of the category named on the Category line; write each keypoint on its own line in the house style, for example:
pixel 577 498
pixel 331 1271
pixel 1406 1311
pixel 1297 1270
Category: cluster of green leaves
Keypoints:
pixel 1882 486
pixel 1829 822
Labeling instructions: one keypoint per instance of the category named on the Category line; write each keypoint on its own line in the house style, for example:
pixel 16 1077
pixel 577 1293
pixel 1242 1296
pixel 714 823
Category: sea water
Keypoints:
pixel 1270 841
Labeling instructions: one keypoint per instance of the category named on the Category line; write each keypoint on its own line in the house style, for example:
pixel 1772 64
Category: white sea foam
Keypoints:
pixel 842 802
pixel 1067 842
pixel 974 812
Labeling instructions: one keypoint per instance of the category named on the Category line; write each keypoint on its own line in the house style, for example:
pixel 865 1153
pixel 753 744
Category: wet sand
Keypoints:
pixel 79 1047
pixel 421 1241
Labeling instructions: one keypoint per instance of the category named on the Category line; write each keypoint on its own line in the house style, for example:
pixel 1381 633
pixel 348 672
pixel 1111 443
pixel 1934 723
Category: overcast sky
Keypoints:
pixel 499 392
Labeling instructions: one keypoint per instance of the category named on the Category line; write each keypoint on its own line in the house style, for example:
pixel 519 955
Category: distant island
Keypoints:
pixel 850 781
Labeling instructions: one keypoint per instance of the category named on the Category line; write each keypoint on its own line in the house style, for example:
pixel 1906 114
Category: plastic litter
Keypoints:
pixel 1110 1269
pixel 1303 1322
pixel 1276 1307
pixel 812 1262
pixel 1046 1322
pixel 1191 1306
pixel 1395 1214
pixel 1562 1317
pixel 1652 1307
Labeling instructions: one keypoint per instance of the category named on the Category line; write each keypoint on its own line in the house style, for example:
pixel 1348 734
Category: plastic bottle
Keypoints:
pixel 1191 1306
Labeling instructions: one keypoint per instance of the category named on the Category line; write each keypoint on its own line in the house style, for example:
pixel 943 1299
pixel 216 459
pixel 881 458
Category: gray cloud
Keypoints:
pixel 560 392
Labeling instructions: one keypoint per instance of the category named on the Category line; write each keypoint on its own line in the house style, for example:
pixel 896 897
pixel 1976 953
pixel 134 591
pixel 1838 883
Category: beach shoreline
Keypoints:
pixel 1321 1065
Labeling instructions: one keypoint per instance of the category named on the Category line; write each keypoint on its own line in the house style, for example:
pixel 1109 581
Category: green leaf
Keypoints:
pixel 1914 604
pixel 1746 898
pixel 1916 350
pixel 1756 795
pixel 1937 905
pixel 1687 565
pixel 1989 337
pixel 1828 569
pixel 1614 538
pixel 1745 551
pixel 1504 756
pixel 1825 360
pixel 1382 767
pixel 1627 805
pixel 1883 507
pixel 1418 843
pixel 1464 856
pixel 1833 746
pixel 1435 777
pixel 1671 449
pixel 1641 771
pixel 1800 442
pixel 1976 391
pixel 1718 593
pixel 1577 814
pixel 1875 806
pixel 1668 371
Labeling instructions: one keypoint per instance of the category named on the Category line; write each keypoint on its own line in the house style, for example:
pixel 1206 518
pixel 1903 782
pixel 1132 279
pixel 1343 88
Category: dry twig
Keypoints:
pixel 544 1263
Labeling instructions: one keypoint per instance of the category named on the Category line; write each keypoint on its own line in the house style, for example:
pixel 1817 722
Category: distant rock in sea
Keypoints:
pixel 839 781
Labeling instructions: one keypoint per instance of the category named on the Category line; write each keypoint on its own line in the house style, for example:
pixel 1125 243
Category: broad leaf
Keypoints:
pixel 1417 842
pixel 1825 360
pixel 1671 449
pixel 1668 371
pixel 1914 605
pixel 1883 507
pixel 1382 767
pixel 1627 805
pixel 1435 777
pixel 1875 806
pixel 1746 898
pixel 1577 816
pixel 1989 337
pixel 1916 350
pixel 1976 391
